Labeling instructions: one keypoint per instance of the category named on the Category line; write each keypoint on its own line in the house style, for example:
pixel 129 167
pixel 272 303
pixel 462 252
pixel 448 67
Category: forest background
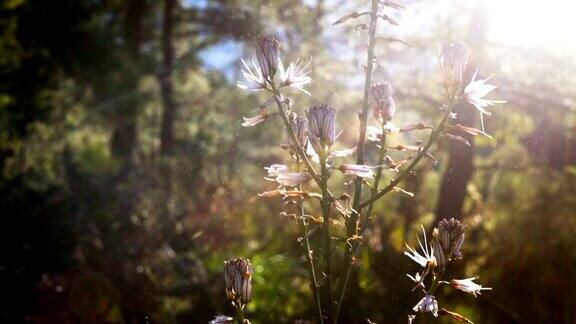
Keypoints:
pixel 127 178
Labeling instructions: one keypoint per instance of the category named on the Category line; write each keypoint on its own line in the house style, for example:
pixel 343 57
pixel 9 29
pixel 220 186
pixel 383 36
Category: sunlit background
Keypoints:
pixel 119 202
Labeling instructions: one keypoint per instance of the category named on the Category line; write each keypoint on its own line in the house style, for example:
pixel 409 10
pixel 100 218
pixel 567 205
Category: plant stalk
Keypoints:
pixel 356 244
pixel 405 172
pixel 353 223
pixel 310 258
pixel 325 204
pixel 239 315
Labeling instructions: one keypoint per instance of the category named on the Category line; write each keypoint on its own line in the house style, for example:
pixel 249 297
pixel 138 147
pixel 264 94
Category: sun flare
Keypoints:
pixel 533 23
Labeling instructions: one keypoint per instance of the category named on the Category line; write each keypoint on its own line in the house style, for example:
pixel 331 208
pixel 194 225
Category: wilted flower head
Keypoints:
pixel 275 169
pixel 468 285
pixel 450 236
pixel 360 170
pixel 253 121
pixel 382 102
pixel 292 179
pixel 238 275
pixel 222 319
pixel 321 127
pixel 452 63
pixel 267 54
pixel 427 304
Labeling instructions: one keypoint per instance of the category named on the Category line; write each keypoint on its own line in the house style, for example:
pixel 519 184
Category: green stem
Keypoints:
pixel 299 149
pixel 240 315
pixel 353 223
pixel 412 165
pixel 325 204
pixel 377 194
pixel 434 285
pixel 356 244
pixel 310 258
pixel 327 197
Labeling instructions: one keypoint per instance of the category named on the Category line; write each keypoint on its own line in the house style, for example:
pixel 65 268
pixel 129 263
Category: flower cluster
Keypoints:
pixel 311 144
pixel 447 240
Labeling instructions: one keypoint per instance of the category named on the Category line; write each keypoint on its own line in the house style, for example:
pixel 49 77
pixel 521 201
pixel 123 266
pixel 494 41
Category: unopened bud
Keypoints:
pixel 321 127
pixel 452 64
pixel 267 53
pixel 238 275
pixel 450 235
pixel 300 127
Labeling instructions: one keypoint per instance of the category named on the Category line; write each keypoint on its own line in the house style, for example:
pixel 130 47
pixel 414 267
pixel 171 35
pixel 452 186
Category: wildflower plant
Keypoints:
pixel 304 178
pixel 443 248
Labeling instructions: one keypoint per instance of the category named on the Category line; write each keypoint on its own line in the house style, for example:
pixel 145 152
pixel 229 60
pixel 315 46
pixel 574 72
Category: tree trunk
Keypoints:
pixel 124 134
pixel 167 88
pixel 460 168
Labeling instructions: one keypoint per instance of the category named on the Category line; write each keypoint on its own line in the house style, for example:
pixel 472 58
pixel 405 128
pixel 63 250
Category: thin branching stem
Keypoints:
pixel 352 226
pixel 300 150
pixel 353 223
pixel 327 238
pixel 423 152
pixel 356 244
pixel 240 314
pixel 377 194
pixel 310 258
pixel 327 198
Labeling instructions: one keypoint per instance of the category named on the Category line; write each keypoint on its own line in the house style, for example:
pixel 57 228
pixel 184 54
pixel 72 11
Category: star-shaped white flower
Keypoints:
pixel 426 259
pixel 254 79
pixel 475 92
pixel 295 75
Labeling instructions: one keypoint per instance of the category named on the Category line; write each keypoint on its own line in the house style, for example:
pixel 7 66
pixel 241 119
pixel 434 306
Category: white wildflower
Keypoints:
pixel 295 75
pixel 468 285
pixel 254 79
pixel 426 259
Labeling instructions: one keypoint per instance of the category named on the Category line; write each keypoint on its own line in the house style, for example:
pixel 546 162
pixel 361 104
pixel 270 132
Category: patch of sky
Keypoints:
pixel 195 3
pixel 222 57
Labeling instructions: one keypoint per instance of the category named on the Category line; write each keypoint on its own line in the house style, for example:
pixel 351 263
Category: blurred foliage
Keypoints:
pixel 84 242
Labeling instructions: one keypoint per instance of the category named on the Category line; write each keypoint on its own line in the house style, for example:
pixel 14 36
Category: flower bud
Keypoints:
pixel 300 127
pixel 267 53
pixel 381 102
pixel 321 127
pixel 452 63
pixel 238 278
pixel 450 235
